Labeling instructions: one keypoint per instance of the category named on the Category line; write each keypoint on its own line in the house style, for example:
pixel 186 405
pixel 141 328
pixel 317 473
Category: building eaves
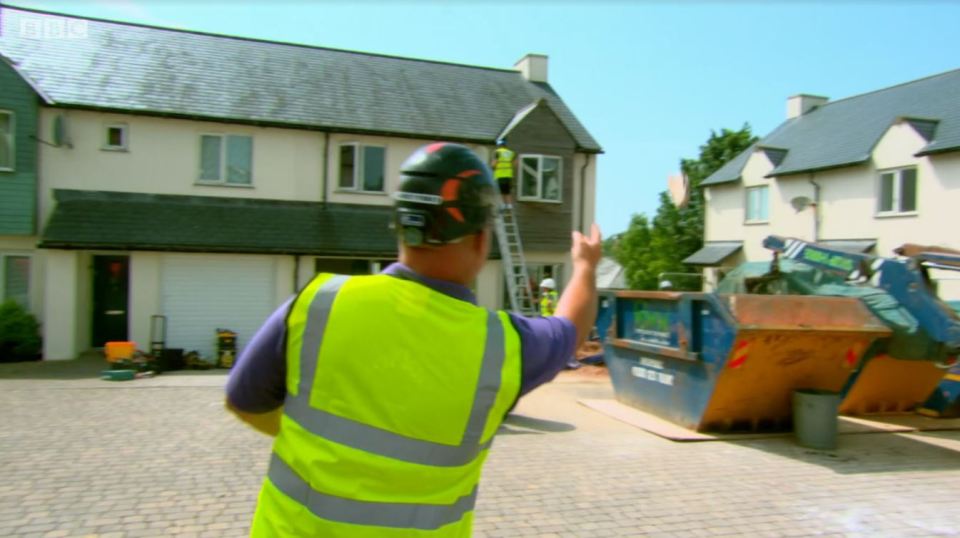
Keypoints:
pixel 732 170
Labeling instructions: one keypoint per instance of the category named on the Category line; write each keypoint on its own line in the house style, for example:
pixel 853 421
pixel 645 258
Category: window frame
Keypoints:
pixel 540 186
pixel 896 199
pixel 746 204
pixel 4 293
pixel 222 181
pixel 125 137
pixel 12 141
pixel 358 168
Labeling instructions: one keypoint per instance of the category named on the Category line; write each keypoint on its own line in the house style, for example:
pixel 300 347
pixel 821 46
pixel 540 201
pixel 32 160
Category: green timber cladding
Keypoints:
pixel 546 225
pixel 18 187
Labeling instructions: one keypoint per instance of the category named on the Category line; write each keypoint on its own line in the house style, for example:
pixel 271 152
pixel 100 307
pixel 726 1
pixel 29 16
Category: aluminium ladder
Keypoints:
pixel 514 264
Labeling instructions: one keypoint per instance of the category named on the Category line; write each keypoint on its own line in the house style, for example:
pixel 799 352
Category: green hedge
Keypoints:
pixel 19 333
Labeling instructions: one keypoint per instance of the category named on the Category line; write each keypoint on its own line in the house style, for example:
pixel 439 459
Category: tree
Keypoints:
pixel 647 249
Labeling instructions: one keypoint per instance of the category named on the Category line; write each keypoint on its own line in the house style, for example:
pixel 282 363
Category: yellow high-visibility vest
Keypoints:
pixel 503 166
pixel 548 303
pixel 394 394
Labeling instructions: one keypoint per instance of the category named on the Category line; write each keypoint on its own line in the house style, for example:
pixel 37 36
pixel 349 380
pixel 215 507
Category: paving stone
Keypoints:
pixel 80 457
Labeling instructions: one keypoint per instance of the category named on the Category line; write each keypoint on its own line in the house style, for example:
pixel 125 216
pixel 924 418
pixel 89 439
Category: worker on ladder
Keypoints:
pixel 384 391
pixel 504 166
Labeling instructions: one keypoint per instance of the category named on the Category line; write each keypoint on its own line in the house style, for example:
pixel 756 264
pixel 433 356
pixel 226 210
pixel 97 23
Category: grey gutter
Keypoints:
pixel 775 173
pixel 63 245
pixel 281 125
pixel 936 151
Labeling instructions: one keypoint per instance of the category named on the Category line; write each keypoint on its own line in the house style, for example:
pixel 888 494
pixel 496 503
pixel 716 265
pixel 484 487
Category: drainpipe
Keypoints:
pixel 296 273
pixel 816 209
pixel 326 167
pixel 583 188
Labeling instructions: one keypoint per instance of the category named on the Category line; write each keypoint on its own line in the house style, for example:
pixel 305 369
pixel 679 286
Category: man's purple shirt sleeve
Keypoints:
pixel 257 381
pixel 547 343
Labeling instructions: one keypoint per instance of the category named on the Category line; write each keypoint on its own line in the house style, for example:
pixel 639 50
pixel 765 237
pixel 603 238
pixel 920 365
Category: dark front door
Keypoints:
pixel 110 291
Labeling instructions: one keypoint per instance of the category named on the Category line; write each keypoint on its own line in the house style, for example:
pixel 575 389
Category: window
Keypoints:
pixel 115 137
pixel 226 159
pixel 758 209
pixel 898 191
pixel 362 168
pixel 6 140
pixel 540 178
pixel 16 279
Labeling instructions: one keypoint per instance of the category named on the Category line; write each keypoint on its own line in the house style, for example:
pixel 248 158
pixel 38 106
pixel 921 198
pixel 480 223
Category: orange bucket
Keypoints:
pixel 116 351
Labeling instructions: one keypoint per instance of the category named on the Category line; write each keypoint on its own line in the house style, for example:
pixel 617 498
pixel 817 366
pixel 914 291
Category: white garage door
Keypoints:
pixel 203 292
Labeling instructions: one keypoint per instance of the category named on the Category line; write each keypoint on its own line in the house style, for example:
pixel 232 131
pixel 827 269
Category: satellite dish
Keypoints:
pixel 60 135
pixel 800 203
pixel 679 188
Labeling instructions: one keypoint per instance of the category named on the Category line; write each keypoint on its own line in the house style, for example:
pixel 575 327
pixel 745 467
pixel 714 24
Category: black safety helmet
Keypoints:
pixel 446 192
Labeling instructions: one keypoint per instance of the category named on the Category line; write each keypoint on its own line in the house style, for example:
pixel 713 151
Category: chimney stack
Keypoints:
pixel 533 67
pixel 798 105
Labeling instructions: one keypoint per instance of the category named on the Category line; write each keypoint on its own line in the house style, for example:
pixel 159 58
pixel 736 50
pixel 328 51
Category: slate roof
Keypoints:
pixel 845 132
pixel 151 70
pixel 132 221
pixel 713 253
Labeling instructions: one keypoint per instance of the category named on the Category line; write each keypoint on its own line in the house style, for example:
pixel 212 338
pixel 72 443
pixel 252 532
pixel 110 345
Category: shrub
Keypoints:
pixel 19 333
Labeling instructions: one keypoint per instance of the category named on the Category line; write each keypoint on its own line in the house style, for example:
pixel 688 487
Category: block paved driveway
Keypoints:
pixel 160 457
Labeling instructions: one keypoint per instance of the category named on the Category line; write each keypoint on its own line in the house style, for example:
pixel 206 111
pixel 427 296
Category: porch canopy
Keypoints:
pixel 132 221
pixel 713 253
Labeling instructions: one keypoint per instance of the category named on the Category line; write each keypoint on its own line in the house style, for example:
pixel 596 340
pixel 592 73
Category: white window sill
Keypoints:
pixel 756 222
pixel 222 184
pixel 115 149
pixel 540 200
pixel 891 215
pixel 358 191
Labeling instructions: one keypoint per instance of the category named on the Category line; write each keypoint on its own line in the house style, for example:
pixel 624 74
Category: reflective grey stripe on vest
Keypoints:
pixel 331 507
pixel 383 442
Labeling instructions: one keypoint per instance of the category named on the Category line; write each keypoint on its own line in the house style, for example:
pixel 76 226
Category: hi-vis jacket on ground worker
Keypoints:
pixel 548 297
pixel 394 390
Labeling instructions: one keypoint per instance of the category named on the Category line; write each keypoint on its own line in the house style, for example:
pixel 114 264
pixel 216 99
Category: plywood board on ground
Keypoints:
pixel 847 425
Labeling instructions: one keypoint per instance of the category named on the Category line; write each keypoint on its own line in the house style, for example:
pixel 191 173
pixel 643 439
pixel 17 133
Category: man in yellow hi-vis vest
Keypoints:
pixel 504 166
pixel 548 297
pixel 384 391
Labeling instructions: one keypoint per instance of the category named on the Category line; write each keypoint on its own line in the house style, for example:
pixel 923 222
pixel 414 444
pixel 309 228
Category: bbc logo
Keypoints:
pixel 53 28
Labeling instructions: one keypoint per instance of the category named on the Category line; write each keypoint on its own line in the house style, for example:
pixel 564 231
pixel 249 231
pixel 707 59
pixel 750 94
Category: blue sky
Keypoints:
pixel 650 80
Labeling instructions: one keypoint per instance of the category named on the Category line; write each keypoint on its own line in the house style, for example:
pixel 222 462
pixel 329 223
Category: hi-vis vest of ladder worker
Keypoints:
pixel 394 393
pixel 503 167
pixel 548 303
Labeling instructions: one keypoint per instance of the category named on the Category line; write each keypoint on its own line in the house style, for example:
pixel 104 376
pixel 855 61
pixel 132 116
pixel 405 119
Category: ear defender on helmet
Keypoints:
pixel 446 192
